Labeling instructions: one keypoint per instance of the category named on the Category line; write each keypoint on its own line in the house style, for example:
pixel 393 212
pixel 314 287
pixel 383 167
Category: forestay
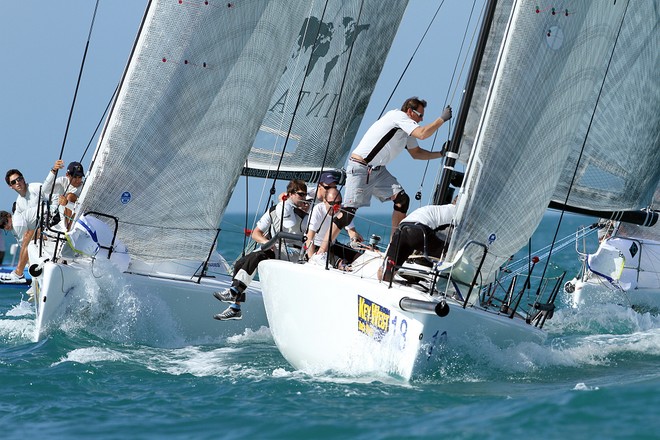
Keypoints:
pixel 543 91
pixel 195 91
pixel 333 98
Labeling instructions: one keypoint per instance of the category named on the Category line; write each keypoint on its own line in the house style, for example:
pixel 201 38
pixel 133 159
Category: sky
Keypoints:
pixel 43 43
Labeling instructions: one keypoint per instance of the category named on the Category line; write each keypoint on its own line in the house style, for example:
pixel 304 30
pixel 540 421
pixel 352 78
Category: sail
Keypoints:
pixel 545 85
pixel 619 168
pixel 484 76
pixel 195 91
pixel 333 98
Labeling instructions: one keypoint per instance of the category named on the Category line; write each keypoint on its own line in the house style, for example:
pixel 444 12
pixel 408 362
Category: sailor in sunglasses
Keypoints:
pixel 25 214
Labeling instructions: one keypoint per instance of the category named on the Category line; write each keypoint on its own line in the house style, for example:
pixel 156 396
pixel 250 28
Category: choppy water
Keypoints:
pixel 597 375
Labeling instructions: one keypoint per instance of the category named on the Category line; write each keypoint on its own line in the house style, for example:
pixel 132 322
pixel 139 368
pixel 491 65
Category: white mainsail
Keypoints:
pixel 332 99
pixel 197 86
pixel 544 88
pixel 619 168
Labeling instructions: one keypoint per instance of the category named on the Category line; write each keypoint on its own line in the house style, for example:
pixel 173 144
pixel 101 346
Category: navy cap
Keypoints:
pixel 328 177
pixel 75 169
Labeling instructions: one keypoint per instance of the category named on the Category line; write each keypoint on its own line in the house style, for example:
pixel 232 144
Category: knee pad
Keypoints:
pixel 346 218
pixel 402 202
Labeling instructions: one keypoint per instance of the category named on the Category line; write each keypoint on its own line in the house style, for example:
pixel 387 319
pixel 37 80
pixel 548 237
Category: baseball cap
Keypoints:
pixel 75 169
pixel 329 177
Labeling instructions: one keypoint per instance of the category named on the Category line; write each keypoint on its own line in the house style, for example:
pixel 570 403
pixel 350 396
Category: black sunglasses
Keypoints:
pixel 16 180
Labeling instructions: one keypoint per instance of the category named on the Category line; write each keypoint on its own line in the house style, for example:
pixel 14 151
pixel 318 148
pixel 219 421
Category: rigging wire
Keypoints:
pixel 293 118
pixel 586 136
pixel 281 121
pixel 105 112
pixel 405 69
pixel 75 94
pixel 418 195
pixel 298 101
pixel 339 95
pixel 334 119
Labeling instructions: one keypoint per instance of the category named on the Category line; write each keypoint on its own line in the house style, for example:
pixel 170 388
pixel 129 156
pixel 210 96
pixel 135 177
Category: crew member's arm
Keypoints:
pixel 425 131
pixel 311 247
pixel 259 236
pixel 421 154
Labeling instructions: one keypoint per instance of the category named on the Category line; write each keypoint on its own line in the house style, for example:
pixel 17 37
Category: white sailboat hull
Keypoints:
pixel 623 271
pixel 158 311
pixel 594 290
pixel 337 321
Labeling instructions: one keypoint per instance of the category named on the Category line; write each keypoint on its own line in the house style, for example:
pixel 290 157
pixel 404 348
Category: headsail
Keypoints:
pixel 196 88
pixel 335 32
pixel 543 91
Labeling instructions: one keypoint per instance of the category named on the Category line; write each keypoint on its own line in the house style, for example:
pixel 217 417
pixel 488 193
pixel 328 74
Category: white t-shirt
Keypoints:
pixel 432 216
pixel 319 222
pixel 31 198
pixel 394 119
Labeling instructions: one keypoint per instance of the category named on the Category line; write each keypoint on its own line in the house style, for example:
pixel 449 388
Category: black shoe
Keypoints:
pixel 229 313
pixel 226 295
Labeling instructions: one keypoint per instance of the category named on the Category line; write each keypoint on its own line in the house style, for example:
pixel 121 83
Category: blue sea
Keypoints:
pixel 596 376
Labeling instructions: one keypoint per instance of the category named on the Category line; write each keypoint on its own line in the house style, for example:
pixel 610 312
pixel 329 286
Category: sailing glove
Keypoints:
pixel 446 114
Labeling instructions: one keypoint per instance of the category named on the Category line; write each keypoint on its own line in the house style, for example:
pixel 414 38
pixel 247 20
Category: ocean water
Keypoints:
pixel 597 376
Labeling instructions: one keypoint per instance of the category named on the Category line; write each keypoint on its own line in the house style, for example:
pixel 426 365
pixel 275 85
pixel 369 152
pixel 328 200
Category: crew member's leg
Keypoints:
pixel 401 204
pixel 244 271
pixel 405 241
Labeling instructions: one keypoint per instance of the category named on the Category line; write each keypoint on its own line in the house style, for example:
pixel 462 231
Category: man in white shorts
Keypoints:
pixel 366 175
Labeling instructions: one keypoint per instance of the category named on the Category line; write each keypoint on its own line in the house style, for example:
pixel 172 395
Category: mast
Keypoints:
pixel 441 193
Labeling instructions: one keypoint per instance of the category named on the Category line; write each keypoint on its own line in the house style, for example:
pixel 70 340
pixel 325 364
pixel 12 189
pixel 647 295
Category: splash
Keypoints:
pixel 249 335
pixel 91 354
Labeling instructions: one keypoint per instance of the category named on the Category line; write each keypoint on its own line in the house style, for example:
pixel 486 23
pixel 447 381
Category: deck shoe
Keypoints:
pixel 12 278
pixel 229 313
pixel 227 295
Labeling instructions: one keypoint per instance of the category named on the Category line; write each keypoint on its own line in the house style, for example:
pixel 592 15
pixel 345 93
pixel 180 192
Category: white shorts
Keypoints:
pixel 381 184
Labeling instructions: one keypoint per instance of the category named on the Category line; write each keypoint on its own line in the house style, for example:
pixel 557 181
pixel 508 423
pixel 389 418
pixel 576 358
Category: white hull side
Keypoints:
pixel 595 290
pixel 137 308
pixel 314 317
pixel 633 263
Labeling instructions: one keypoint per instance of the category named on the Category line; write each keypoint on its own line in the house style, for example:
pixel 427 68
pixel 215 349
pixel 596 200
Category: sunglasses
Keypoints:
pixel 16 180
pixel 324 186
pixel 301 193
pixel 333 203
pixel 420 115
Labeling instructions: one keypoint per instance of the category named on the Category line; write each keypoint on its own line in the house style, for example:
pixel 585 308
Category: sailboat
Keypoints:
pixel 210 91
pixel 171 151
pixel 624 269
pixel 542 113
